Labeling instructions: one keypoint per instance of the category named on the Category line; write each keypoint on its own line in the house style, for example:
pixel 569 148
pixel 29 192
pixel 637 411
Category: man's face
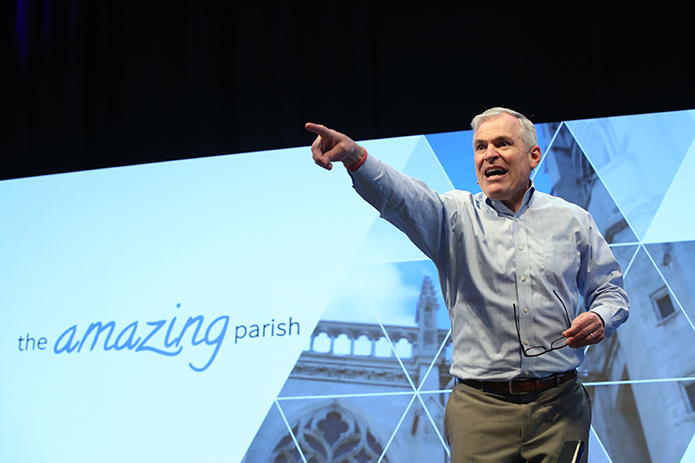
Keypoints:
pixel 502 163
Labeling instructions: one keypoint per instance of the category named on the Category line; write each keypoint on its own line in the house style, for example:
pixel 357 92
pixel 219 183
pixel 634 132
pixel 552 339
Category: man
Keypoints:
pixel 511 261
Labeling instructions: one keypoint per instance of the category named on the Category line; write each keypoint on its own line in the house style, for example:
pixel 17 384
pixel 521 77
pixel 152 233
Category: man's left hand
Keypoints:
pixel 586 329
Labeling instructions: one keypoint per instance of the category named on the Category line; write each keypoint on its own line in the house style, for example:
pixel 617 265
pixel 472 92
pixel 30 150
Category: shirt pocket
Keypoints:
pixel 561 261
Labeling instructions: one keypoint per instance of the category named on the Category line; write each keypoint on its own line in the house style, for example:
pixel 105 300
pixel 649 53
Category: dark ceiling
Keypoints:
pixel 99 84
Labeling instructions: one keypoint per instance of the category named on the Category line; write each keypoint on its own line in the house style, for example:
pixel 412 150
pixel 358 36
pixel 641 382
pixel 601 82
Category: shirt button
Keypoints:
pixel 523 278
pixel 516 220
pixel 526 342
pixel 521 248
pixel 525 309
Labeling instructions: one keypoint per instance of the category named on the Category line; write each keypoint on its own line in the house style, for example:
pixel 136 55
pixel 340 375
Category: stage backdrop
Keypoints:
pixel 253 308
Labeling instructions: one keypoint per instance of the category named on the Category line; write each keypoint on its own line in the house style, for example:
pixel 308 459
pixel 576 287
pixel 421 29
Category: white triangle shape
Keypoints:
pixel 670 222
pixel 384 242
pixel 689 455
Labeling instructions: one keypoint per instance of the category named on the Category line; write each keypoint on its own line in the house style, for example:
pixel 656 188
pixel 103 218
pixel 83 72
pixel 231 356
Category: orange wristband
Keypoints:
pixel 359 163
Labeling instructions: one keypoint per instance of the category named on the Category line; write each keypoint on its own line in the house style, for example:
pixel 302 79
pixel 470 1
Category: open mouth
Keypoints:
pixel 495 171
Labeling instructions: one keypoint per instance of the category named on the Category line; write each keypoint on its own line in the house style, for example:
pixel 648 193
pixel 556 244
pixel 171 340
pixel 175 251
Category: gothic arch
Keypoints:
pixel 329 435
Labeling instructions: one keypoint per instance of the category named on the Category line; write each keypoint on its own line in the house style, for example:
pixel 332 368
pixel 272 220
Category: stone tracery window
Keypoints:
pixel 331 435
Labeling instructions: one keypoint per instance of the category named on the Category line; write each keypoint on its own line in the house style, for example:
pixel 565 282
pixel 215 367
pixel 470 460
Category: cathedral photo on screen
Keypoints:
pixel 372 383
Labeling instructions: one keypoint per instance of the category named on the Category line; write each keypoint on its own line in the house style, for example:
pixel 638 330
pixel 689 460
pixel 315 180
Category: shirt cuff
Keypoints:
pixel 607 318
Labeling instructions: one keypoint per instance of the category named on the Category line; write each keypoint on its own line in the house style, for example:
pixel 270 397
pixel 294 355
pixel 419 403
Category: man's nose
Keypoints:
pixel 491 153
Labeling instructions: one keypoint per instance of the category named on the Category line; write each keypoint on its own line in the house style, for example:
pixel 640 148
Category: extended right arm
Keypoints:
pixel 406 202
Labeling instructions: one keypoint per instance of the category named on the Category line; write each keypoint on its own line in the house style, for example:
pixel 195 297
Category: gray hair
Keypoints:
pixel 527 131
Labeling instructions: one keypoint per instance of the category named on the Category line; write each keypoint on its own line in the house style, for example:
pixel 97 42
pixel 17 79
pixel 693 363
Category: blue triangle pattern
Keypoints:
pixel 636 157
pixel 636 380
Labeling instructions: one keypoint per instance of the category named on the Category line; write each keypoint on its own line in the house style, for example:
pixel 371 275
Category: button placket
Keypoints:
pixel 522 263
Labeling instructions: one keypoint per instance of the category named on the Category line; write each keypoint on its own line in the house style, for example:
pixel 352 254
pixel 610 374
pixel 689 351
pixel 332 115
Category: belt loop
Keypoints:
pixel 557 379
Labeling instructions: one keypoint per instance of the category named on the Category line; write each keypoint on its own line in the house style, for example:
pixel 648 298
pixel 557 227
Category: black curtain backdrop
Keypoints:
pixel 94 84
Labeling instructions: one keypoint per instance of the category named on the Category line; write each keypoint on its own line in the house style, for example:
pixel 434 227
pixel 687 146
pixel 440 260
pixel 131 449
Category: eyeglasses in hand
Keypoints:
pixel 535 351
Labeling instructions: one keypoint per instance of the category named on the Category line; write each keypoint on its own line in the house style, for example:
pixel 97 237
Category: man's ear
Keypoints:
pixel 535 156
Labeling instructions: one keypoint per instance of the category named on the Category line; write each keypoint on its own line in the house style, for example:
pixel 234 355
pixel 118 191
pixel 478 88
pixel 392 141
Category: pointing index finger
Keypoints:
pixel 318 129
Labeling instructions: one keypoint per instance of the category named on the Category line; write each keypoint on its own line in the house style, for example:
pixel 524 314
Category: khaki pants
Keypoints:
pixel 497 427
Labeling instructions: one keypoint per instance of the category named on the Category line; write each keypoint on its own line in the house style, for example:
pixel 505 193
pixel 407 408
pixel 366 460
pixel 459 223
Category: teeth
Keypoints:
pixel 495 172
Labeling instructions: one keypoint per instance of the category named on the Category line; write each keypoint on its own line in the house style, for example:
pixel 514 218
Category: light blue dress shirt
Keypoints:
pixel 490 258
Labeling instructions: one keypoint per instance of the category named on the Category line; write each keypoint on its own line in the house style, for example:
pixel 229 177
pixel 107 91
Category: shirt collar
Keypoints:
pixel 499 206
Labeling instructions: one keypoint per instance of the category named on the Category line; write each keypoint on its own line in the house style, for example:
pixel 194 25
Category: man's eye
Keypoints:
pixel 480 147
